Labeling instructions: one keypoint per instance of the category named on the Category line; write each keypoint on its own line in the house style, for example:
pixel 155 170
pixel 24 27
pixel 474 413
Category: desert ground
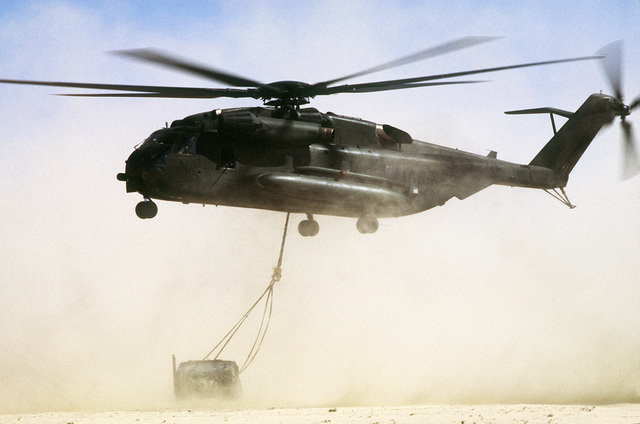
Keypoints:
pixel 466 414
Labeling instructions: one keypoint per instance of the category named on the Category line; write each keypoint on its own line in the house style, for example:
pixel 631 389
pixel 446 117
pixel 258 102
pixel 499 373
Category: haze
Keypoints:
pixel 506 297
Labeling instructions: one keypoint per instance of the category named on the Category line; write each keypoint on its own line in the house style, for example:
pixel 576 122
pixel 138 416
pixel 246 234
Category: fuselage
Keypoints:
pixel 312 163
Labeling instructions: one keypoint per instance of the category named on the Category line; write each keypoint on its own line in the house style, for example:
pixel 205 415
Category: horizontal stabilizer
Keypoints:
pixel 552 110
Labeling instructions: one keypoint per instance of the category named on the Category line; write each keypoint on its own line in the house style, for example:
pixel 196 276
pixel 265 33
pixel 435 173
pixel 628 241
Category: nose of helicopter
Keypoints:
pixel 142 171
pixel 133 172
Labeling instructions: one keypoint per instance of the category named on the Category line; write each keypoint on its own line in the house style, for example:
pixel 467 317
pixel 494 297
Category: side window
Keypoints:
pixel 227 158
pixel 288 163
pixel 188 146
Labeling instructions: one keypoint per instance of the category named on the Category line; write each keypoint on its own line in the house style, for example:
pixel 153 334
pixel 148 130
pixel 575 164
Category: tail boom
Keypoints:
pixel 566 147
pixel 551 167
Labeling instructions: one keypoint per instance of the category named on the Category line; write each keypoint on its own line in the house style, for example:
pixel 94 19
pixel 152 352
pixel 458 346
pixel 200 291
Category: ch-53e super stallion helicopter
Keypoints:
pixel 283 157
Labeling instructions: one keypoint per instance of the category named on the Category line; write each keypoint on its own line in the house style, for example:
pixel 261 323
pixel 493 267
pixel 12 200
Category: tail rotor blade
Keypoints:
pixel 612 65
pixel 631 167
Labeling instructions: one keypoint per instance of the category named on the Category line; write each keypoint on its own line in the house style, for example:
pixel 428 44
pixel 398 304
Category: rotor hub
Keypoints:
pixel 618 107
pixel 286 93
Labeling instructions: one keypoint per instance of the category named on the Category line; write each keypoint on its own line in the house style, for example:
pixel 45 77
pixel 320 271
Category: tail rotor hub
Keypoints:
pixel 624 111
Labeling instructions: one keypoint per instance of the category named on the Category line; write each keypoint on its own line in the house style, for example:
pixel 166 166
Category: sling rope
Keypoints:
pixel 266 314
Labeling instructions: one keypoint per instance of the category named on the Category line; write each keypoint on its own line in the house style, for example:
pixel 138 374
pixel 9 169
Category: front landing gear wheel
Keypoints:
pixel 367 224
pixel 146 209
pixel 309 227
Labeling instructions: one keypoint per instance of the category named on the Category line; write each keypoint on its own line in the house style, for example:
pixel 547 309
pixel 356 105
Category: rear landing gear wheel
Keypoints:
pixel 146 209
pixel 309 227
pixel 367 224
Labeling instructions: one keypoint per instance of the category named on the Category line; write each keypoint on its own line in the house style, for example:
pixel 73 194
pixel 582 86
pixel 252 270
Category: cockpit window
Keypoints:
pixel 188 145
pixel 153 138
pixel 186 142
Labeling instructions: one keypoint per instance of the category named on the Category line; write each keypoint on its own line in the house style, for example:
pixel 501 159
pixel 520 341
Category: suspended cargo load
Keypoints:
pixel 206 378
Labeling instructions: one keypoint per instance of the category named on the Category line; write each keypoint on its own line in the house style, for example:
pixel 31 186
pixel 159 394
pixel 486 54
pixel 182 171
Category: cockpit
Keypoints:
pixel 185 141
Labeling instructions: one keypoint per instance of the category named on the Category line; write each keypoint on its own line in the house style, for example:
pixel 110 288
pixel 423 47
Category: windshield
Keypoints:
pixel 170 137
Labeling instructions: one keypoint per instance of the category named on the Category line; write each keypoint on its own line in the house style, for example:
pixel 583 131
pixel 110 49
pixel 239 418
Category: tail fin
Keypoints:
pixel 566 147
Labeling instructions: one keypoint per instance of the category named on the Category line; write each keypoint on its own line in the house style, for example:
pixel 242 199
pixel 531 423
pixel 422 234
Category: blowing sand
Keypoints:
pixel 611 414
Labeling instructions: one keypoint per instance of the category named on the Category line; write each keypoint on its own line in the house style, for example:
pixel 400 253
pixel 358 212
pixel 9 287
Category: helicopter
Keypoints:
pixel 288 157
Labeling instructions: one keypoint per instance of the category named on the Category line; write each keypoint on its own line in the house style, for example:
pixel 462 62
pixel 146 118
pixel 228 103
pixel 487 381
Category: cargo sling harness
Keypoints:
pixel 266 314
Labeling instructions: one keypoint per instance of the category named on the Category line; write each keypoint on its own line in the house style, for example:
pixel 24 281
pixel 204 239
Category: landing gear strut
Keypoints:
pixel 367 224
pixel 309 227
pixel 146 209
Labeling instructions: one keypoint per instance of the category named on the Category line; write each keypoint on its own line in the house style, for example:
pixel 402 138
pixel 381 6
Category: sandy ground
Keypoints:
pixel 531 414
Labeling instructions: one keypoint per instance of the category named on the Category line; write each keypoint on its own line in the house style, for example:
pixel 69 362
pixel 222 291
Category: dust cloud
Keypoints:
pixel 431 309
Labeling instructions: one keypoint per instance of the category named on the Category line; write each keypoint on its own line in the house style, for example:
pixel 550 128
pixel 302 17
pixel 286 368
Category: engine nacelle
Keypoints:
pixel 268 132
pixel 389 135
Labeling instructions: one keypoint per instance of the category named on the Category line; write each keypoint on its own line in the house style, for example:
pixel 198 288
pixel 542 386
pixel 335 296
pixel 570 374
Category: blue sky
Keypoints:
pixel 508 286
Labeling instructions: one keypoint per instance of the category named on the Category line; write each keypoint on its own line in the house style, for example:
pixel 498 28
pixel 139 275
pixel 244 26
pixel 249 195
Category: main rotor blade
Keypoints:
pixel 630 164
pixel 177 93
pixel 381 85
pixel 149 90
pixel 460 43
pixel 612 65
pixel 634 104
pixel 159 58
pixel 356 89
